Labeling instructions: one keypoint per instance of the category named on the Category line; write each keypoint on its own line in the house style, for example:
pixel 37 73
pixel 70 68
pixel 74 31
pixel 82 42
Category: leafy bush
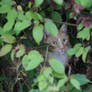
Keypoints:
pixel 22 25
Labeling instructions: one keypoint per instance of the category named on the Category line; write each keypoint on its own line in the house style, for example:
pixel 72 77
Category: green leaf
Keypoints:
pixel 80 52
pixel 75 83
pixel 38 2
pixel 80 26
pixel 50 27
pixel 32 60
pixel 56 16
pixel 84 34
pixel 62 82
pixel 38 33
pixel 86 50
pixel 20 53
pixel 74 50
pixel 4 9
pixel 85 4
pixel 57 66
pixel 59 2
pixel 71 52
pixel 20 26
pixel 5 50
pixel 81 79
pixel 8 38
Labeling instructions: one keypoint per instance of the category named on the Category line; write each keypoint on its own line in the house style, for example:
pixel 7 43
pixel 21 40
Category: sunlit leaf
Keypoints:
pixel 5 50
pixel 38 33
pixel 57 66
pixel 38 2
pixel 8 38
pixel 59 2
pixel 32 60
pixel 51 27
pixel 75 83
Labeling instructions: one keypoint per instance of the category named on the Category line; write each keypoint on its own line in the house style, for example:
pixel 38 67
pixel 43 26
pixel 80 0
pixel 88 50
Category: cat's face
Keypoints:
pixel 61 42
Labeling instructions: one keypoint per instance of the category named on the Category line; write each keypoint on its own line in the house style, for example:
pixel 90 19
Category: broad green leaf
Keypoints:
pixel 85 4
pixel 71 52
pixel 50 27
pixel 4 9
pixel 74 50
pixel 62 82
pixel 85 53
pixel 38 33
pixel 6 2
pixel 79 52
pixel 84 34
pixel 8 38
pixel 75 83
pixel 41 86
pixel 10 20
pixel 81 79
pixel 57 66
pixel 5 50
pixel 59 2
pixel 32 60
pixel 20 26
pixel 47 71
pixel 38 2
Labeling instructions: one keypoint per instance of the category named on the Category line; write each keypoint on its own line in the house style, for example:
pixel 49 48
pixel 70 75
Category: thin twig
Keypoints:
pixel 70 24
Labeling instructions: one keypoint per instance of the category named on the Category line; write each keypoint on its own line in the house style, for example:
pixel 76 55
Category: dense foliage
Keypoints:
pixel 23 68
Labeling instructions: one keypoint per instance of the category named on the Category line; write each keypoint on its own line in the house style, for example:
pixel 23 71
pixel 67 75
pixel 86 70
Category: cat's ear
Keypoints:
pixel 63 28
pixel 46 35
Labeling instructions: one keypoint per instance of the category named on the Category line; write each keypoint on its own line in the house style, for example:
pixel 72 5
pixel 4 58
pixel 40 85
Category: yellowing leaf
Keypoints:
pixel 5 50
pixel 8 38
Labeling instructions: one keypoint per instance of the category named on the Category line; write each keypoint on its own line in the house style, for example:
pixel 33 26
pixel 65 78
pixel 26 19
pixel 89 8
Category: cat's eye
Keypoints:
pixel 54 42
pixel 64 40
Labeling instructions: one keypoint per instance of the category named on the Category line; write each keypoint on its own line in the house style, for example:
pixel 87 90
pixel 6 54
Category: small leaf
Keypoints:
pixel 38 33
pixel 85 53
pixel 84 34
pixel 8 38
pixel 5 50
pixel 62 82
pixel 20 26
pixel 38 2
pixel 71 52
pixel 81 79
pixel 80 26
pixel 75 83
pixel 57 66
pixel 59 2
pixel 80 52
pixel 32 60
pixel 20 53
pixel 51 27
